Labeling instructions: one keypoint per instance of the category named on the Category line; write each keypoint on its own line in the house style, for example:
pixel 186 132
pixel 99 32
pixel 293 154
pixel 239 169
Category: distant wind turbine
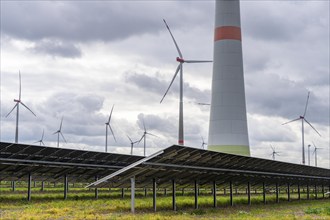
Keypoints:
pixel 144 136
pixel 42 138
pixel 274 152
pixel 309 158
pixel 107 125
pixel 19 101
pixel 181 60
pixel 315 152
pixel 59 132
pixel 303 119
pixel 203 143
pixel 132 143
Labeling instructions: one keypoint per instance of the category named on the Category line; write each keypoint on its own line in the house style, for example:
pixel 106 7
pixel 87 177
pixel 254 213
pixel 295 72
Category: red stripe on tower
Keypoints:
pixel 227 33
pixel 181 142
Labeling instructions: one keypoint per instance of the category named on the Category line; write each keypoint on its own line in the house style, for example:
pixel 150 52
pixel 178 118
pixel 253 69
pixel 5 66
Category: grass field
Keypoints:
pixel 81 204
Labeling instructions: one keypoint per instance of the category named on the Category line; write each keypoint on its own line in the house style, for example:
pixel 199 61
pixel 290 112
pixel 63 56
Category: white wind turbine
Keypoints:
pixel 303 119
pixel 18 101
pixel 59 132
pixel 42 138
pixel 181 60
pixel 274 152
pixel 144 136
pixel 132 143
pixel 107 125
pixel 315 152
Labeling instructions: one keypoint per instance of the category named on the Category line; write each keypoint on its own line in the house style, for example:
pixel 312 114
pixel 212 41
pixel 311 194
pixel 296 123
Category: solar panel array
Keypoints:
pixel 186 165
pixel 50 164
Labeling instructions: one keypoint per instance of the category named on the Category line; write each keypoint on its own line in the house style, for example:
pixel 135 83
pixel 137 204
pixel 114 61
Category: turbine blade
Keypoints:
pixel 130 139
pixel 112 133
pixel 61 124
pixel 306 104
pixel 312 127
pixel 20 87
pixel 144 125
pixel 198 61
pixel 111 113
pixel 175 74
pixel 62 136
pixel 55 132
pixel 43 143
pixel 272 148
pixel 152 134
pixel 291 121
pixel 42 136
pixel 141 138
pixel 176 45
pixel 28 108
pixel 12 109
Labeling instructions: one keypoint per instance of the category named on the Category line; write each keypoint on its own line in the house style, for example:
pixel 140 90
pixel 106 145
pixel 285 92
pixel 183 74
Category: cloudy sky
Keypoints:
pixel 78 58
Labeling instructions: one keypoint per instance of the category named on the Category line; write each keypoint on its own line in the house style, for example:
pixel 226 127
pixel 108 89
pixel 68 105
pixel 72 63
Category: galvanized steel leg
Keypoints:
pixel 214 194
pixel 42 186
pixel 133 194
pixel 65 186
pixel 307 191
pixel 277 193
pixel 13 185
pixel 173 195
pixel 315 191
pixel 96 189
pixel 29 186
pixel 196 194
pixel 264 192
pixel 122 193
pixel 249 193
pixel 154 194
pixel 288 192
pixel 231 193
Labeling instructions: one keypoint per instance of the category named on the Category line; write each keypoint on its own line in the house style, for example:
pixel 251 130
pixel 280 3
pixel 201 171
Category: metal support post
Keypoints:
pixel 96 190
pixel 231 193
pixel 133 194
pixel 288 184
pixel 249 193
pixel 214 194
pixel 42 186
pixel 65 186
pixel 196 194
pixel 122 193
pixel 154 194
pixel 29 187
pixel 298 191
pixel 173 195
pixel 315 191
pixel 13 185
pixel 264 192
pixel 277 193
pixel 307 191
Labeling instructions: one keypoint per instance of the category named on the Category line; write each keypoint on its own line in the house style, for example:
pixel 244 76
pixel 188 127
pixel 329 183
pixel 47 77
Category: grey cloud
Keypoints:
pixel 275 96
pixel 85 21
pixel 57 48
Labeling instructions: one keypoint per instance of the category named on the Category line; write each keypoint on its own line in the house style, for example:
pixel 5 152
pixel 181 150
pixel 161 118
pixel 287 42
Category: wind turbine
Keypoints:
pixel 303 119
pixel 58 132
pixel 203 143
pixel 274 152
pixel 132 143
pixel 144 136
pixel 42 138
pixel 18 101
pixel 107 125
pixel 315 152
pixel 181 60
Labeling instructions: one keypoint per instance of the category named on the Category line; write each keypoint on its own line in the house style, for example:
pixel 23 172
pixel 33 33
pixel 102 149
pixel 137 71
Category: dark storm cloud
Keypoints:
pixel 85 21
pixel 57 48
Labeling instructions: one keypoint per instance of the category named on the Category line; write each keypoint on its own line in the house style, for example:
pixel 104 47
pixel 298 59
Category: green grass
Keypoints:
pixel 81 204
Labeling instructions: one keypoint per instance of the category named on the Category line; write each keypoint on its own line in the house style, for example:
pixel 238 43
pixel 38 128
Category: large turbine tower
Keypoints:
pixel 228 124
